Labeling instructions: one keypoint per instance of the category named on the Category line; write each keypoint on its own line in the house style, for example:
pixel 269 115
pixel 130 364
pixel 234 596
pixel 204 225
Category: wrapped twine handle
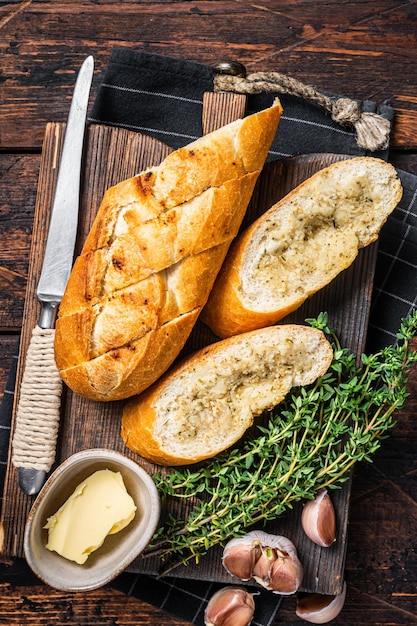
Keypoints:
pixel 372 130
pixel 37 415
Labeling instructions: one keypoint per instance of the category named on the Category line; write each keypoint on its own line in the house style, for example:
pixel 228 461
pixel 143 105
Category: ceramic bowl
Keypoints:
pixel 118 550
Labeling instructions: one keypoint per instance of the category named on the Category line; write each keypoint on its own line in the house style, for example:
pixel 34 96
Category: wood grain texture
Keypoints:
pixel 343 48
pixel 103 607
pixel 218 107
pixel 18 181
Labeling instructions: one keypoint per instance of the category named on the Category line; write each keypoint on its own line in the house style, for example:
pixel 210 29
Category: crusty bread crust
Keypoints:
pixel 151 258
pixel 207 402
pixel 133 366
pixel 301 244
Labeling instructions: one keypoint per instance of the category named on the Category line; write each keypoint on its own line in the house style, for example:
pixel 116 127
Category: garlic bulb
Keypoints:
pixel 230 606
pixel 320 609
pixel 270 559
pixel 318 519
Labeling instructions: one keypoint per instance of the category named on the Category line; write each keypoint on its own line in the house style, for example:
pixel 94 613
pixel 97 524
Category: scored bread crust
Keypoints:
pixel 206 403
pixel 301 244
pixel 151 257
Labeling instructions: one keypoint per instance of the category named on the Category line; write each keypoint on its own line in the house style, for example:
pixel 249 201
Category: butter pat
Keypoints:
pixel 99 506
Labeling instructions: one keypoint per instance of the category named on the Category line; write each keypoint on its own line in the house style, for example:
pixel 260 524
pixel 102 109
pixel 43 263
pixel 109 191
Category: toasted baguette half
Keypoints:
pixel 151 257
pixel 301 244
pixel 205 404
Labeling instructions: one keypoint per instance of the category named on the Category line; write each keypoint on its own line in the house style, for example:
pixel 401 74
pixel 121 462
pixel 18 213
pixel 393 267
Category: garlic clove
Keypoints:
pixel 239 557
pixel 286 574
pixel 318 519
pixel 262 568
pixel 320 609
pixel 230 606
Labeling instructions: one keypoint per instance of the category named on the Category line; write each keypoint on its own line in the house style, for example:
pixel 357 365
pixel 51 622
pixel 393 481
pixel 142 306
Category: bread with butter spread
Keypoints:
pixel 151 258
pixel 301 244
pixel 207 402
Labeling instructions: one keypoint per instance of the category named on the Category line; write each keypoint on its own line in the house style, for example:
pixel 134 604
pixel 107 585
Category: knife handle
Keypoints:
pixel 38 410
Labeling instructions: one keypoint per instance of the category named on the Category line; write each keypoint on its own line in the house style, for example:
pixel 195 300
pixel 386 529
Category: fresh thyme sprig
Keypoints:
pixel 311 441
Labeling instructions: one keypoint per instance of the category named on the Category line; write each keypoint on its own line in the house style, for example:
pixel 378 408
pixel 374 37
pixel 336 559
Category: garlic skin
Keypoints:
pixel 239 557
pixel 270 559
pixel 320 609
pixel 318 519
pixel 230 606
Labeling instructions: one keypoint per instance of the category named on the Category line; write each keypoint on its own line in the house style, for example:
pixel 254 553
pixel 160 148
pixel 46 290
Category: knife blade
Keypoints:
pixel 38 409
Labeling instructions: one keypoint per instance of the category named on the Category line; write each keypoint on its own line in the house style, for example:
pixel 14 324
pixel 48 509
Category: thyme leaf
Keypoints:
pixel 311 441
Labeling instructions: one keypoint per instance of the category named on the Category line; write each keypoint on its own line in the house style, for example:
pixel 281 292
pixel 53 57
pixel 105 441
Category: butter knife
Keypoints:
pixel 38 409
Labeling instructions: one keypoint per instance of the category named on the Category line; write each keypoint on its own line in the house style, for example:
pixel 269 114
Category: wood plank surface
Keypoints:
pixel 18 182
pixel 105 606
pixel 343 48
pixel 359 49
pixel 112 155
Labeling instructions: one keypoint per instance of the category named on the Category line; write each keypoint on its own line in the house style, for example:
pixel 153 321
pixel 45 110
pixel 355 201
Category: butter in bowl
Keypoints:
pixel 95 514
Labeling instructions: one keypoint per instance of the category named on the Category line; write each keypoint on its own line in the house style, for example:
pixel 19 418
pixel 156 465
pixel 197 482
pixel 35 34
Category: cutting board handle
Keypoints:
pixel 221 108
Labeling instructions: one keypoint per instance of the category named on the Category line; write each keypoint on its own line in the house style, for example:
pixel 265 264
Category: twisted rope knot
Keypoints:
pixel 372 130
pixel 346 111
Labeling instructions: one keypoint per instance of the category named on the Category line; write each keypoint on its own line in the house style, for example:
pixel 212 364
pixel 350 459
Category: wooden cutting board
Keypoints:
pixel 113 155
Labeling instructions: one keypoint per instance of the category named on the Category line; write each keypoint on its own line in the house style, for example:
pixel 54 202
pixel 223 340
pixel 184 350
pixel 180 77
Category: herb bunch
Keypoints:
pixel 311 441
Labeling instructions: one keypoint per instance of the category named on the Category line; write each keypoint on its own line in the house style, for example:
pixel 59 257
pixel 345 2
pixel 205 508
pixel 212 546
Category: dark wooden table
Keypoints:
pixel 360 49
